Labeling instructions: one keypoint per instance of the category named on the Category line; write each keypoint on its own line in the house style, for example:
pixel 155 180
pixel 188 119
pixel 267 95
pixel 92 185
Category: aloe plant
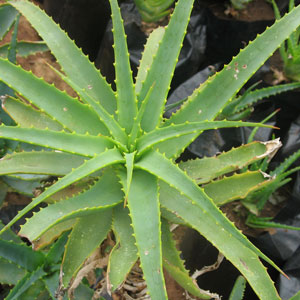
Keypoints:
pixel 119 154
pixel 239 4
pixel 153 10
pixel 290 49
pixel 34 274
pixel 242 106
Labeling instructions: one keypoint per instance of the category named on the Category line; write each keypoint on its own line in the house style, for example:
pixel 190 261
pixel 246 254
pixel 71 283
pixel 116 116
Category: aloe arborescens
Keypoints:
pixel 121 144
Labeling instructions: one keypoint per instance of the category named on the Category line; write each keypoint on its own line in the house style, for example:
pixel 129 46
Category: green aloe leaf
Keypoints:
pixel 175 266
pixel 86 145
pixel 241 256
pixel 213 224
pixel 25 283
pixel 126 99
pixel 237 292
pixel 171 217
pixel 38 290
pixel 243 66
pixel 24 48
pixel 75 65
pixel 202 105
pixel 124 254
pixel 21 255
pixel 111 125
pixel 105 159
pixel 52 234
pixel 26 116
pixel 87 234
pixel 160 135
pixel 252 97
pixel 163 65
pixel 129 158
pixel 100 196
pixel 136 127
pixel 9 235
pixel 55 252
pixel 296 296
pixel 205 169
pixel 8 16
pixel 42 162
pixel 286 164
pixel 144 212
pixel 235 187
pixel 10 273
pixel 25 187
pixel 66 110
pixel 150 51
pixel 51 282
pixel 165 170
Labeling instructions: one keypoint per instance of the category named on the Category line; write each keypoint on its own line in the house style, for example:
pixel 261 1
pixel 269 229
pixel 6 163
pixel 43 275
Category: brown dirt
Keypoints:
pixel 38 63
pixel 255 11
pixel 237 213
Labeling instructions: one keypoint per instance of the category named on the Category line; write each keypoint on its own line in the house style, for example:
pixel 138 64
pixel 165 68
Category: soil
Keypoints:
pixel 256 10
pixel 39 63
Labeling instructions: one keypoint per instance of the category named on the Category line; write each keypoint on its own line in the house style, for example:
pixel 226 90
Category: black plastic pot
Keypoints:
pixel 84 20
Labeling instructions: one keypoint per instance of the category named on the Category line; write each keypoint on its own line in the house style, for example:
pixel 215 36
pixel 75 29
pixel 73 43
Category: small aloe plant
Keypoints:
pixel 153 10
pixel 290 49
pixel 34 274
pixel 239 4
pixel 116 150
pixel 242 106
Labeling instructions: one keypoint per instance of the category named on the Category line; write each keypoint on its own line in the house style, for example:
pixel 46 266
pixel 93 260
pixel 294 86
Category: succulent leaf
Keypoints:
pixel 57 104
pixel 99 197
pixel 252 97
pixel 144 212
pixel 21 254
pixel 126 99
pixel 75 65
pixel 88 233
pixel 41 162
pixel 286 164
pixel 112 126
pixel 205 169
pixel 85 145
pixel 165 170
pixel 100 161
pixel 124 254
pixel 241 255
pixel 161 135
pixel 9 235
pixel 26 116
pixel 25 283
pixel 202 105
pixel 163 65
pixel 150 51
pixel 237 292
pixel 8 16
pixel 52 234
pixel 235 187
pixel 10 273
pixel 175 266
pixel 24 48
